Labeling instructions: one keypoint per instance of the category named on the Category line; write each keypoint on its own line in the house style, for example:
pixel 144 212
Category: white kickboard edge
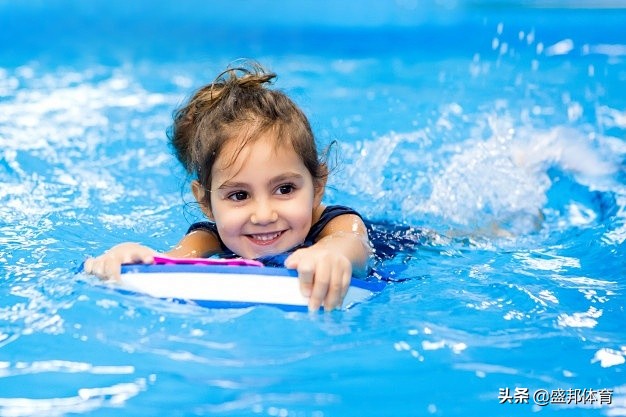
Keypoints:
pixel 221 288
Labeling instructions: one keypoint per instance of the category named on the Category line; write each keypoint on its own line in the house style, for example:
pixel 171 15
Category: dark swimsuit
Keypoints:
pixel 328 214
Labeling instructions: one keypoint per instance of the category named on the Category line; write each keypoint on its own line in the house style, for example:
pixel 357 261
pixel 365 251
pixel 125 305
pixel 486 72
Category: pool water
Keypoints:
pixel 488 137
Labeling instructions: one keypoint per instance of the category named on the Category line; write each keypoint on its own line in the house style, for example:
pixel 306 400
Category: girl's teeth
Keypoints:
pixel 266 236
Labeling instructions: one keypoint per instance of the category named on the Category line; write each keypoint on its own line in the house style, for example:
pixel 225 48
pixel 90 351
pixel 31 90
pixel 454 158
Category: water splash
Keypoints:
pixel 497 180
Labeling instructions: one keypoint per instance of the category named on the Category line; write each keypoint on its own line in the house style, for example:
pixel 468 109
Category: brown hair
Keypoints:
pixel 238 105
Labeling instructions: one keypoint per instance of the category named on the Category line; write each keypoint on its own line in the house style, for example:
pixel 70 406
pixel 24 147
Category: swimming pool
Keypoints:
pixel 493 131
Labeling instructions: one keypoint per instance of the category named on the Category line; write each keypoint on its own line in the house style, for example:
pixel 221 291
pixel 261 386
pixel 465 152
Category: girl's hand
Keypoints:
pixel 324 276
pixel 108 265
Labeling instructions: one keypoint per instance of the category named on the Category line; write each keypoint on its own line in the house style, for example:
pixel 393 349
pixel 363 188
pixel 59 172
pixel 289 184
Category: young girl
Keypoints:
pixel 260 183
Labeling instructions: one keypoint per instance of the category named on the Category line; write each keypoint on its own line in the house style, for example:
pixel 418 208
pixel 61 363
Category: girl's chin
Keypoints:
pixel 261 254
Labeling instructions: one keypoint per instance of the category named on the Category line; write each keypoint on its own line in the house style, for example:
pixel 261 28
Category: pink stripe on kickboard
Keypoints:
pixel 164 260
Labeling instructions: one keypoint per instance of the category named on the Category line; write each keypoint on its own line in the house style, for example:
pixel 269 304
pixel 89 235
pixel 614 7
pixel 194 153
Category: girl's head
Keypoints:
pixel 238 106
pixel 252 150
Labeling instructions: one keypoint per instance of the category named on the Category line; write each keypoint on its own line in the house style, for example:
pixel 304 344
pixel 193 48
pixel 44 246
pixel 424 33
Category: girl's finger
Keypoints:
pixel 292 260
pixel 88 266
pixel 321 281
pixel 148 258
pixel 306 271
pixel 334 297
pixel 112 270
pixel 97 268
pixel 346 278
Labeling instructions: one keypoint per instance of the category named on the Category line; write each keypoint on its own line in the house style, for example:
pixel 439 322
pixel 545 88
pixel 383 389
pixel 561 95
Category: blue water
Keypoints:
pixel 492 134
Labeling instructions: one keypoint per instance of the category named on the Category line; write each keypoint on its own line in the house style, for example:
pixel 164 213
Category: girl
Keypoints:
pixel 260 183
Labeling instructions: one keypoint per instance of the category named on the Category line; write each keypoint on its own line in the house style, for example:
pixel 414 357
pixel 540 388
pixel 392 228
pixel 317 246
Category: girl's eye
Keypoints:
pixel 238 196
pixel 285 189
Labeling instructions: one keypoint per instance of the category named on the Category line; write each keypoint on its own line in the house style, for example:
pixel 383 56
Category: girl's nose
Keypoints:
pixel 263 214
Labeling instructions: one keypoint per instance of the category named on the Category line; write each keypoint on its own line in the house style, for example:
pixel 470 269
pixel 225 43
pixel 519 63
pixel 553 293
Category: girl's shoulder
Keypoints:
pixel 323 216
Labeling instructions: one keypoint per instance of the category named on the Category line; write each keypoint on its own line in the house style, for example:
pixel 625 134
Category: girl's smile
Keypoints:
pixel 264 201
pixel 265 238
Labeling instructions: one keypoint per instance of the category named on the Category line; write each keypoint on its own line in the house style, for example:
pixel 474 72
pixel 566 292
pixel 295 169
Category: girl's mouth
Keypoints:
pixel 265 238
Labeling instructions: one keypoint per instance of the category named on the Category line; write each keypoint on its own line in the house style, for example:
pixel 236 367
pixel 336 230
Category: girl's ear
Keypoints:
pixel 200 194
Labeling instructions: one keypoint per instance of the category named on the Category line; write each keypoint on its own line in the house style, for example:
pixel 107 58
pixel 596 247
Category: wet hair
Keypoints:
pixel 238 105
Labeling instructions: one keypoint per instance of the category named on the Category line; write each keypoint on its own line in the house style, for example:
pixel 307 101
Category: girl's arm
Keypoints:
pixel 108 265
pixel 325 269
pixel 196 244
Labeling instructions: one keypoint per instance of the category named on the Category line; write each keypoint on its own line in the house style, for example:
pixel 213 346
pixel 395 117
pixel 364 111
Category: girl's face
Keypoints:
pixel 263 203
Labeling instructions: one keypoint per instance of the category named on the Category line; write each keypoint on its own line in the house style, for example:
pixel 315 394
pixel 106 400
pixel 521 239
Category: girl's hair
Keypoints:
pixel 238 105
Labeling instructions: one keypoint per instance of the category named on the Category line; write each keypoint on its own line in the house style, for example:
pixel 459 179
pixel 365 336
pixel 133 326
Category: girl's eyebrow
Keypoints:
pixel 287 176
pixel 232 184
